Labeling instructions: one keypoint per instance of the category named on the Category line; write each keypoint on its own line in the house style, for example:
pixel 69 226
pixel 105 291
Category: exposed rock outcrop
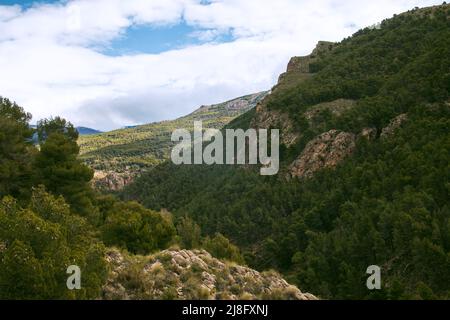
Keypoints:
pixel 266 119
pixel 395 124
pixel 301 65
pixel 325 151
pixel 186 274
pixel 322 47
pixel 112 181
pixel 368 133
pixel 336 107
pixel 298 70
pixel 239 104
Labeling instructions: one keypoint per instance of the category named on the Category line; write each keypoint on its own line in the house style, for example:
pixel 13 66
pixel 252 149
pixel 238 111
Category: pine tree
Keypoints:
pixel 58 168
pixel 16 150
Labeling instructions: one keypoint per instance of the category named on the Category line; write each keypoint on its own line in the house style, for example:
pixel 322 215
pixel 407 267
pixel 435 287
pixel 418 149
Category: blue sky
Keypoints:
pixel 157 39
pixel 26 3
pixel 106 64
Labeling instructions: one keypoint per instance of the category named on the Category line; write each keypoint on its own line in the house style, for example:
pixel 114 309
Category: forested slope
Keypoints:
pixel 365 171
pixel 120 155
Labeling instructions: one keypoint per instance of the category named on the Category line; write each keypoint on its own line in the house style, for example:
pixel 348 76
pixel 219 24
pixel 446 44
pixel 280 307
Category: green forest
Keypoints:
pixel 386 205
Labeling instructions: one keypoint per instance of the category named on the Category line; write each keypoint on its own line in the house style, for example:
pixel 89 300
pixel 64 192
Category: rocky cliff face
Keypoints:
pixel 332 147
pixel 186 274
pixel 298 70
pixel 325 151
pixel 299 67
pixel 329 148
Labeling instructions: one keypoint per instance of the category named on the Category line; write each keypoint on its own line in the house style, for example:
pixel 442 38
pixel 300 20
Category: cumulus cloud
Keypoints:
pixel 51 58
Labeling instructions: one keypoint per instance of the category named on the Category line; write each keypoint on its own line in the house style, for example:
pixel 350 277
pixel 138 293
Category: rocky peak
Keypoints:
pixel 191 274
pixel 301 64
pixel 297 70
pixel 244 103
pixel 322 47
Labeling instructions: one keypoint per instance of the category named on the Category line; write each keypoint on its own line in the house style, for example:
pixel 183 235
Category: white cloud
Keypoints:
pixel 50 65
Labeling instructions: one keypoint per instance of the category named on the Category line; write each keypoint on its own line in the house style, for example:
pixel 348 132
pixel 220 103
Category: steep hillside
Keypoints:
pixel 52 223
pixel 364 177
pixel 118 156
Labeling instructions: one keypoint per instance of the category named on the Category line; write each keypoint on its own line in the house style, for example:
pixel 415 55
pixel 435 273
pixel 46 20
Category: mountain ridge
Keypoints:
pixel 119 156
pixel 364 132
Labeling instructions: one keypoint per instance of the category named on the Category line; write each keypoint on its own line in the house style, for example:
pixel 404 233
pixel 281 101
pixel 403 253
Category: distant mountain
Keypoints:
pixel 118 156
pixel 83 131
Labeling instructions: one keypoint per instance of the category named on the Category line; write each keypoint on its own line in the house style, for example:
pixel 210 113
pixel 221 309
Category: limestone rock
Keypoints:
pixel 395 124
pixel 265 119
pixel 191 274
pixel 298 70
pixel 322 47
pixel 113 181
pixel 325 151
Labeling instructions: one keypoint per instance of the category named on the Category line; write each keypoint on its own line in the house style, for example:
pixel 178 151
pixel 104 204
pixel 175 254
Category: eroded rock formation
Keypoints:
pixel 325 151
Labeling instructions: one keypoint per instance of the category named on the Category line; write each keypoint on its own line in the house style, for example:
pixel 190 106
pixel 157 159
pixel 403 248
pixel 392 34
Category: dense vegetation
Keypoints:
pixel 386 205
pixel 51 218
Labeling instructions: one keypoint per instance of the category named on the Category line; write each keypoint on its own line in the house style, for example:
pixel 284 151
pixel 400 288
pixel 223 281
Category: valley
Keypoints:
pixel 364 159
pixel 362 183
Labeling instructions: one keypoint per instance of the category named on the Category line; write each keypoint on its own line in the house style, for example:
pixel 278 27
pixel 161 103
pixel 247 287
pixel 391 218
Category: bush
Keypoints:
pixel 130 226
pixel 220 247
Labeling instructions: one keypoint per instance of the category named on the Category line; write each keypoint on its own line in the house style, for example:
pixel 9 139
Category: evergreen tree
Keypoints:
pixel 58 168
pixel 16 150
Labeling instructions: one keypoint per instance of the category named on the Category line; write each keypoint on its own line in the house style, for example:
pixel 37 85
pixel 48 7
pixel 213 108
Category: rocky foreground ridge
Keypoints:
pixel 191 274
